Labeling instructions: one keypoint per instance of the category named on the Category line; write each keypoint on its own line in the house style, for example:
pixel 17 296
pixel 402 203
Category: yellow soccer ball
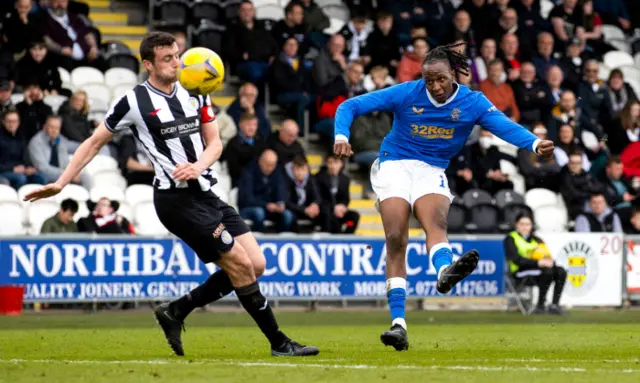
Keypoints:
pixel 201 71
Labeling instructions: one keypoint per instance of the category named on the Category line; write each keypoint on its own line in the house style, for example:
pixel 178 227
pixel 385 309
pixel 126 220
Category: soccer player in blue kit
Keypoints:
pixel 433 118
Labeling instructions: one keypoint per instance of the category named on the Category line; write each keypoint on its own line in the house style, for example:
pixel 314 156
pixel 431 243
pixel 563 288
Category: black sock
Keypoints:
pixel 257 306
pixel 215 287
pixel 560 276
pixel 544 282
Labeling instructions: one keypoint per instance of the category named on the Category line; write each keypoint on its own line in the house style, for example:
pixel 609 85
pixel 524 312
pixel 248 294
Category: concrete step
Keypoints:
pixel 133 44
pixel 222 101
pixel 108 18
pixel 122 32
pixel 362 204
pixel 97 4
pixel 380 232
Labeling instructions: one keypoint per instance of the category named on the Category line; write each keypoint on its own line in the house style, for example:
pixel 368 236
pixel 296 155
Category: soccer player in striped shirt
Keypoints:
pixel 433 118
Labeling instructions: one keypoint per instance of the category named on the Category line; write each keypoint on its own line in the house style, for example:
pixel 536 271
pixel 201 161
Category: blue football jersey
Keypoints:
pixel 426 130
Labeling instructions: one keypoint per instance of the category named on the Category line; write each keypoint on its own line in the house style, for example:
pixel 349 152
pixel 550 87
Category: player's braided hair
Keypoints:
pixel 458 62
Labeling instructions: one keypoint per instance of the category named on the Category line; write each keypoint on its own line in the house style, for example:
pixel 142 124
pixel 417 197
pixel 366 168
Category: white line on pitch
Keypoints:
pixel 320 365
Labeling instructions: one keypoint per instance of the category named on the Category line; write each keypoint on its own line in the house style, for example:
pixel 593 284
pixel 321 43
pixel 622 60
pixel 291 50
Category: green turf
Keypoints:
pixel 445 347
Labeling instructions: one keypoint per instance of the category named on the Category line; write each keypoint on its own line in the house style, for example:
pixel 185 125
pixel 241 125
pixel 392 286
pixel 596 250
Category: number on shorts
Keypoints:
pixel 441 181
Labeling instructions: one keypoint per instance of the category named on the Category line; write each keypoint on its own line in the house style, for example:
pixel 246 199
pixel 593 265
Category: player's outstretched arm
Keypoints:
pixel 490 118
pixel 211 153
pixel 83 155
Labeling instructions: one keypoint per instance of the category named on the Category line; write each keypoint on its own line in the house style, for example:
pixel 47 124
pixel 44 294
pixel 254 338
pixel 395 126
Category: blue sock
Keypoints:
pixel 396 296
pixel 441 256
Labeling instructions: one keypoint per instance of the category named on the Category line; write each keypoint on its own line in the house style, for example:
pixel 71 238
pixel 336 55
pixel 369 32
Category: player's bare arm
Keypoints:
pixel 85 153
pixel 211 153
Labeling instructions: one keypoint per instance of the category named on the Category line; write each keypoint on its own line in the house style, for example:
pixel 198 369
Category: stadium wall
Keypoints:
pixel 125 268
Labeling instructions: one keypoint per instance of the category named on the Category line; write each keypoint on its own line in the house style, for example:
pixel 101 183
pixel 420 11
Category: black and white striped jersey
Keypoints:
pixel 168 127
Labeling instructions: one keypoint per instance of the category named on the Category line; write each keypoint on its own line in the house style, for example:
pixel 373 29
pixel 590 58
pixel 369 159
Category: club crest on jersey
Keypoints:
pixel 194 102
pixel 417 111
pixel 455 114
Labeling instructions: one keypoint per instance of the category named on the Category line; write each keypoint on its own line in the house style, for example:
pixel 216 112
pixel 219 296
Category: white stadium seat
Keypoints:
pixel 636 58
pixel 65 76
pixel 233 198
pixel 117 76
pixel 508 168
pixel 550 218
pixel 270 11
pixel 7 193
pixel 325 3
pixel 335 26
pixel 98 91
pixel 616 59
pixel 540 197
pixel 55 101
pixel 545 8
pixel 101 162
pixel 612 32
pixel 340 12
pixel 75 192
pixel 126 211
pixel 109 178
pixel 118 91
pixel 86 75
pixel 260 3
pixel 39 212
pixel 17 98
pixel 135 194
pixel 603 73
pixel 147 221
pixel 621 45
pixel 11 218
pixel 98 105
pixel 113 193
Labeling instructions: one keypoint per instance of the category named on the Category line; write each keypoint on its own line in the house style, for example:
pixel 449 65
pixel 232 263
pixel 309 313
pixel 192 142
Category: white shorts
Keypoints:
pixel 408 179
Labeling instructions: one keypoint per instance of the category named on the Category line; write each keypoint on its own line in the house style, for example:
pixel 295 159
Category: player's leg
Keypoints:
pixel 395 220
pixel 239 266
pixel 431 211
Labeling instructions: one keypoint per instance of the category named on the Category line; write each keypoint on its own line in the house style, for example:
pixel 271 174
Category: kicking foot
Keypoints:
pixel 457 271
pixel 293 348
pixel 539 310
pixel 171 326
pixel 396 337
pixel 556 310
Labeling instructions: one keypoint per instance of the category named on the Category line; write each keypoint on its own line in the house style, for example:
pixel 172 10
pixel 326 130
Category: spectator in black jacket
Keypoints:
pixel 33 111
pixel 486 164
pixel 593 94
pixel 537 171
pixel 355 34
pixel 247 103
pixel 314 18
pixel 18 27
pixel 619 92
pixel 303 197
pixel 531 96
pixel 134 163
pixel 291 26
pixel 459 173
pixel 598 217
pixel 576 185
pixel 625 128
pixel 567 112
pixel 262 194
pixel 250 46
pixel 634 223
pixel 14 165
pixel 333 186
pixel 285 142
pixel 38 64
pixel 289 81
pixel 243 149
pixel 617 188
pixel 383 45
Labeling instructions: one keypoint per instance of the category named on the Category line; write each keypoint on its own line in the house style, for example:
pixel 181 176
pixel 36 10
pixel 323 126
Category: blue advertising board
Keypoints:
pixel 73 269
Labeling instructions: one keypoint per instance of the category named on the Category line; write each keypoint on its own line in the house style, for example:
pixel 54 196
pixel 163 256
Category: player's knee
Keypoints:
pixel 440 220
pixel 259 264
pixel 239 265
pixel 396 241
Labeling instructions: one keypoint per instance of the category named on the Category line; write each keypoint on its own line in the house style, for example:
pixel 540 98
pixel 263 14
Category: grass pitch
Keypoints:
pixel 226 347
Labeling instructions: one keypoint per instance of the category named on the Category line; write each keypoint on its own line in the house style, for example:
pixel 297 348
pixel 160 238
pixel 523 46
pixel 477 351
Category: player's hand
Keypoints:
pixel 545 149
pixel 339 210
pixel 44 192
pixel 342 149
pixel 185 172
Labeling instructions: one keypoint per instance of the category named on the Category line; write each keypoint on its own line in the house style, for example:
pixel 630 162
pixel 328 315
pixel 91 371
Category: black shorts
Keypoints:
pixel 201 219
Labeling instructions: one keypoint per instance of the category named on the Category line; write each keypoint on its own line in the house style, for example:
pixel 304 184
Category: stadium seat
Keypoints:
pixel 457 218
pixel 75 192
pixel 135 194
pixel 621 45
pixel 101 162
pixel 483 218
pixel 126 211
pixel 224 181
pixel 11 218
pixel 205 10
pixel 233 198
pixel 230 9
pixel 603 73
pixel 65 76
pixel 114 47
pixel 636 58
pixel 259 3
pixel 635 84
pixel 507 197
pixel 7 193
pixel 630 72
pixel 474 197
pixel 550 218
pixel 114 193
pixel 118 76
pixel 118 91
pixel 335 26
pixel 612 32
pixel 39 212
pixel 98 105
pixel 340 12
pixel 17 98
pixel 55 101
pixel 173 13
pixel 505 147
pixel 108 178
pixel 221 193
pixel 545 8
pixel 209 35
pixel 125 60
pixel 540 197
pixel 270 11
pixel 326 3
pixel 97 91
pixel 510 212
pixel 147 221
pixel 86 75
pixel 26 189
pixel 616 59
